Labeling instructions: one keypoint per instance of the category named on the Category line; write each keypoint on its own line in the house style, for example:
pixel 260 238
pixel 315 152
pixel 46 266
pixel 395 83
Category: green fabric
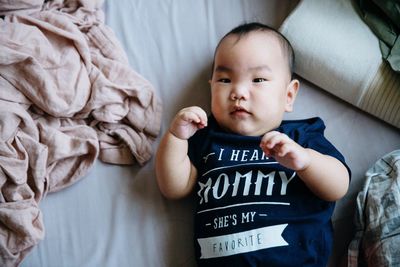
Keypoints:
pixel 383 17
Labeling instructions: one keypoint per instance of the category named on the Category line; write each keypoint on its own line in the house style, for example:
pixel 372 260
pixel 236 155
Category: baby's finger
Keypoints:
pixel 284 149
pixel 202 115
pixel 267 137
pixel 191 117
pixel 195 114
pixel 269 148
pixel 276 139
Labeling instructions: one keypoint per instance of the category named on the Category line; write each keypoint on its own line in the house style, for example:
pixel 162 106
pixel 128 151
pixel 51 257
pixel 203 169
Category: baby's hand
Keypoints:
pixel 286 151
pixel 187 121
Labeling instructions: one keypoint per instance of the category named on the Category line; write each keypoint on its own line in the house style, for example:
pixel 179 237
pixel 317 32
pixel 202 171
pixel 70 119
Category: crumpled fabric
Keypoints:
pixel 67 97
pixel 383 17
pixel 377 219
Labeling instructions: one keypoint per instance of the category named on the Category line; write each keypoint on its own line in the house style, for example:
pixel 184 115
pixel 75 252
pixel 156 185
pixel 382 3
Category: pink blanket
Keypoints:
pixel 67 97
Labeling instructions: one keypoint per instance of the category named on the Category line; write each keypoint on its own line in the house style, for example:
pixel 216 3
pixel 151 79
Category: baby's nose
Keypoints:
pixel 239 91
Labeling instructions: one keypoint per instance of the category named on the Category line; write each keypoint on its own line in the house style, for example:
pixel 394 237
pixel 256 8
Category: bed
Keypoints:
pixel 115 214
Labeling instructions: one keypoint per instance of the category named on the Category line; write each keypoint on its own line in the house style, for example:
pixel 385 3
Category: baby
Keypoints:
pixel 266 188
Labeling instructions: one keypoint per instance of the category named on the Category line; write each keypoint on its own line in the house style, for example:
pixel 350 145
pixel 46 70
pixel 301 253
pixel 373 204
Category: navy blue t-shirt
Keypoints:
pixel 252 211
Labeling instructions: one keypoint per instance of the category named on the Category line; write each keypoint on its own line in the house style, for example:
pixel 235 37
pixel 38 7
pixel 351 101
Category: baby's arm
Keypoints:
pixel 326 176
pixel 176 175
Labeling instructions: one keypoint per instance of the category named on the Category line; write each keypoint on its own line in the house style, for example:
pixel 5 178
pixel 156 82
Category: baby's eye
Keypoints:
pixel 259 80
pixel 224 80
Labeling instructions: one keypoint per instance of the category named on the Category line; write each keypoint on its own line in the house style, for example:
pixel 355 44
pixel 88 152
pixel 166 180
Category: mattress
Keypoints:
pixel 116 215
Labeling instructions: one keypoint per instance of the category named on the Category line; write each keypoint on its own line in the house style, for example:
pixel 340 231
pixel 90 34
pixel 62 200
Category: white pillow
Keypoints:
pixel 337 51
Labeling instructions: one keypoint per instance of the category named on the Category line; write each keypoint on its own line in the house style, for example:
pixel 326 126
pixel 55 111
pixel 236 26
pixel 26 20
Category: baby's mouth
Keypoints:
pixel 239 111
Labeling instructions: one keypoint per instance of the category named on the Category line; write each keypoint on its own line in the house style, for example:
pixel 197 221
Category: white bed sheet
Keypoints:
pixel 116 215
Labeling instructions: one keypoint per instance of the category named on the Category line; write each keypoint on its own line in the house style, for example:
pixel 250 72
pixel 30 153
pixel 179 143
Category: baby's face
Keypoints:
pixel 250 86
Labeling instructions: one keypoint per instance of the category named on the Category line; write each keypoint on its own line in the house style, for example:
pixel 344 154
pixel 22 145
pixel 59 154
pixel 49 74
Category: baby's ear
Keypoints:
pixel 291 93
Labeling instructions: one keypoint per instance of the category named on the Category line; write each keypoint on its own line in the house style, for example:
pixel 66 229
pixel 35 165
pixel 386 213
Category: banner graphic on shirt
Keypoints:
pixel 247 241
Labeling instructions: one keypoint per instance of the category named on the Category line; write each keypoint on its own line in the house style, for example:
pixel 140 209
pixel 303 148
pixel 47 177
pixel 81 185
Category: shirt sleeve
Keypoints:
pixel 315 139
pixel 309 133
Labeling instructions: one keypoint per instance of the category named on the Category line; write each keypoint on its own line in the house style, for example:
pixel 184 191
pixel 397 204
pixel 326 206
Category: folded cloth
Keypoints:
pixel 333 57
pixel 20 6
pixel 383 17
pixel 67 97
pixel 377 219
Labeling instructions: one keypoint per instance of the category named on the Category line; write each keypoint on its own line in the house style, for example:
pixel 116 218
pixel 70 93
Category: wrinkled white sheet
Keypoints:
pixel 116 216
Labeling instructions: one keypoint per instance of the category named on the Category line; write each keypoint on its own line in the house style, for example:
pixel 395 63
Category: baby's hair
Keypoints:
pixel 247 28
